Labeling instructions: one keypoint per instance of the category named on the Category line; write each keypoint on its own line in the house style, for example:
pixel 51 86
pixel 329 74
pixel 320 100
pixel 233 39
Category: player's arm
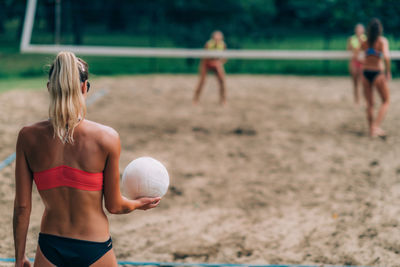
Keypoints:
pixel 386 58
pixel 115 203
pixel 206 45
pixel 22 201
pixel 224 60
pixel 349 47
pixel 202 60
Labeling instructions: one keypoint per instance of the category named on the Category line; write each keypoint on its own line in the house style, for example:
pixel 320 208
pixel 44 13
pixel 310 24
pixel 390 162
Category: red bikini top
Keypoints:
pixel 70 177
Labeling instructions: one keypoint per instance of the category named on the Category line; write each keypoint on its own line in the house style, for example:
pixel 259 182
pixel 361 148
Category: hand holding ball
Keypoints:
pixel 145 177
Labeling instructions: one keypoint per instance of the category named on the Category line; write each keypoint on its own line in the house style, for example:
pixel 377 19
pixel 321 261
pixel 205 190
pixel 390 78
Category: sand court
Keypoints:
pixel 284 174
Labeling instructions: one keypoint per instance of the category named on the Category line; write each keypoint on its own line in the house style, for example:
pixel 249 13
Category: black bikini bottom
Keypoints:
pixel 66 252
pixel 370 75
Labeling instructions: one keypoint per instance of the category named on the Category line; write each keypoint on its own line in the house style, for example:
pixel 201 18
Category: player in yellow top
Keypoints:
pixel 213 64
pixel 355 66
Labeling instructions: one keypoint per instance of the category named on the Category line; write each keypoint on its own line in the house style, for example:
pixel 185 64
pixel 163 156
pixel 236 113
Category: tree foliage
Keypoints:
pixel 188 22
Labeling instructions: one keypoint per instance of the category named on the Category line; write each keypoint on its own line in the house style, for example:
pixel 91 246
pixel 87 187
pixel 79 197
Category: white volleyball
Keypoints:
pixel 145 177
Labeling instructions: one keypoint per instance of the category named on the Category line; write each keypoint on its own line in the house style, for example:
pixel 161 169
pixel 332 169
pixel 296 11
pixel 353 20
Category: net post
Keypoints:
pixel 57 22
pixel 28 24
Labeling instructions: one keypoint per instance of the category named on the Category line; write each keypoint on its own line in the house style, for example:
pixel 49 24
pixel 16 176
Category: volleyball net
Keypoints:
pixel 135 30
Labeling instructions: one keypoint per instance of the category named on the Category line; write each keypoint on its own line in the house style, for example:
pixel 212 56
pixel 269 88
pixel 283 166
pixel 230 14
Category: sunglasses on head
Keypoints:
pixel 87 86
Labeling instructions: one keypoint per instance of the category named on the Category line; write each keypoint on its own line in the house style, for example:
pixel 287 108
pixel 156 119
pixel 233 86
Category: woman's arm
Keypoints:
pixel 224 60
pixel 349 47
pixel 22 201
pixel 115 203
pixel 386 58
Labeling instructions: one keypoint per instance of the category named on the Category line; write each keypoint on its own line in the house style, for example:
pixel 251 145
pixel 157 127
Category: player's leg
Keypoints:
pixel 383 90
pixel 199 88
pixel 107 260
pixel 358 83
pixel 220 72
pixel 41 260
pixel 369 98
pixel 355 79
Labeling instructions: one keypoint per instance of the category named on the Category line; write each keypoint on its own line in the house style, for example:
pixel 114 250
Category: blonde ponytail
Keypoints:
pixel 67 103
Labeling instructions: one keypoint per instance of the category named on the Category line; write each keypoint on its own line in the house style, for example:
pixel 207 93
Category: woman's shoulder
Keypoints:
pixel 104 133
pixel 35 128
pixel 383 40
pixel 100 127
pixel 381 43
pixel 31 134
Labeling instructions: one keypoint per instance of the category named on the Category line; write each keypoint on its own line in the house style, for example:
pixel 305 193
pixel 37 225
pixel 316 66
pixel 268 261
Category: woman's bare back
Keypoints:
pixel 70 212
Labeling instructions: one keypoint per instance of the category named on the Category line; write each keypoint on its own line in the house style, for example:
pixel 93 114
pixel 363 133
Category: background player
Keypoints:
pixel 213 64
pixel 355 65
pixel 376 74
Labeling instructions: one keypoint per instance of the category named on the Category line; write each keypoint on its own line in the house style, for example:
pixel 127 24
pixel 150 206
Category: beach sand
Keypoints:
pixel 284 174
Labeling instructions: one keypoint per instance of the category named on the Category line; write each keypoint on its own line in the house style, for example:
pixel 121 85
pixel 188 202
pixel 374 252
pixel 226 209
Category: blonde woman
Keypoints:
pixel 74 164
pixel 355 66
pixel 215 65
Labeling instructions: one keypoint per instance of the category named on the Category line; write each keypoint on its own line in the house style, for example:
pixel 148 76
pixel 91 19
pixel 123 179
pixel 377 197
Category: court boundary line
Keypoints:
pixel 7 161
pixel 92 99
pixel 182 264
